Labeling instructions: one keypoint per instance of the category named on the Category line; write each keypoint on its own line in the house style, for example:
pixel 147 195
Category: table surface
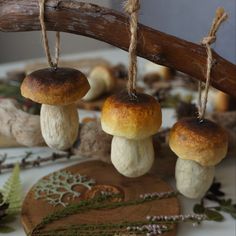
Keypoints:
pixel 225 172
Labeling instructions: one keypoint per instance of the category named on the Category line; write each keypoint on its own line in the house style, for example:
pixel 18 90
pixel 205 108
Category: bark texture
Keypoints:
pixel 112 27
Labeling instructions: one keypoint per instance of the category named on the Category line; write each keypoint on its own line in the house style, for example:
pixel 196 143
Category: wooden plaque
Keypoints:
pixel 34 211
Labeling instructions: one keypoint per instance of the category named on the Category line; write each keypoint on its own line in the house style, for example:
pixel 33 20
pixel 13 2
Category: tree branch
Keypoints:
pixel 26 162
pixel 112 27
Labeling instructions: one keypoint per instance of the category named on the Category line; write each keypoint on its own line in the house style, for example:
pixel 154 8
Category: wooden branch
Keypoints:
pixel 112 27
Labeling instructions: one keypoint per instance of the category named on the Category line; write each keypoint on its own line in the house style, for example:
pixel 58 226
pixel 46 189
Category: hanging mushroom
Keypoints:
pixel 58 90
pixel 132 122
pixel 200 145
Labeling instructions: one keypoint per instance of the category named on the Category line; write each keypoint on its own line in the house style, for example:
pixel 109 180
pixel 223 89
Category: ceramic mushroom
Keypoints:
pixel 101 81
pixel 200 145
pixel 132 122
pixel 57 90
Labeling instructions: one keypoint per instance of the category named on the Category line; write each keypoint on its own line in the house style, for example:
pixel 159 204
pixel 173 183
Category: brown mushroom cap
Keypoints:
pixel 131 118
pixel 55 87
pixel 204 142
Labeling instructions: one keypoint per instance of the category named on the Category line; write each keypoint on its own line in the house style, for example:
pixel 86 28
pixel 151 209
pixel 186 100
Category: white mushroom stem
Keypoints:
pixel 132 158
pixel 97 88
pixel 192 179
pixel 59 125
pixel 101 80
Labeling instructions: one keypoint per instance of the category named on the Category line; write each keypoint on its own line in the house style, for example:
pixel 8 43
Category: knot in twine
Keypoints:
pixel 220 17
pixel 208 40
pixel 52 64
pixel 132 7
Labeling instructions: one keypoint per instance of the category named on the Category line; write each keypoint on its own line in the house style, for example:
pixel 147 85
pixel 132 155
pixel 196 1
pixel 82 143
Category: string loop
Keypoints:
pixel 208 40
pixel 53 64
pixel 132 7
pixel 220 17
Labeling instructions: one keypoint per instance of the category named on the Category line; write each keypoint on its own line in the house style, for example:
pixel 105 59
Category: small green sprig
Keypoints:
pixel 102 201
pixel 12 191
pixel 152 225
pixel 108 229
pixel 216 195
pixel 10 200
pixel 11 89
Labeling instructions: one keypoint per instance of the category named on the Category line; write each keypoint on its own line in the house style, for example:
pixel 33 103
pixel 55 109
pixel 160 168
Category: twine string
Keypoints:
pixel 53 64
pixel 132 7
pixel 220 17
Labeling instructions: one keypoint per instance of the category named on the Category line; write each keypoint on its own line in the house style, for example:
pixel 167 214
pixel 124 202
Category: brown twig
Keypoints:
pixel 111 27
pixel 25 162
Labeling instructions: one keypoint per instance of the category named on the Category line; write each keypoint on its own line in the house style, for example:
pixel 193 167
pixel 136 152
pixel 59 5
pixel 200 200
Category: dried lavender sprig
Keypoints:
pixel 150 229
pixel 95 204
pixel 107 229
pixel 158 195
pixel 195 218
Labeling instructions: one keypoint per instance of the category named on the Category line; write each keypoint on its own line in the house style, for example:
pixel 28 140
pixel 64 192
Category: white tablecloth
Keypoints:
pixel 225 172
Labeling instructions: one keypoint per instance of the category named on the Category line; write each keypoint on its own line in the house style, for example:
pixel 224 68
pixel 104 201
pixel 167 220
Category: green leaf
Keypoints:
pixel 6 229
pixel 226 202
pixel 217 208
pixel 228 209
pixel 7 90
pixel 214 215
pixel 198 209
pixel 233 215
pixel 12 191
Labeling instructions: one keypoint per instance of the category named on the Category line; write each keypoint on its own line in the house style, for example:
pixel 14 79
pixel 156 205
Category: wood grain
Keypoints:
pixel 112 27
pixel 34 210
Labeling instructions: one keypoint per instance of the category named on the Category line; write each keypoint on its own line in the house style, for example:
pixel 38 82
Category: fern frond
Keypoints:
pixel 12 191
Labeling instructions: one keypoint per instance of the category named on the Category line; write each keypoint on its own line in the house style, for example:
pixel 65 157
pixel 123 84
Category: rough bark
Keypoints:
pixel 112 27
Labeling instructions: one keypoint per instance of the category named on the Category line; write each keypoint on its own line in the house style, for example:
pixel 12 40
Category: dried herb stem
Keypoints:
pixel 97 229
pixel 25 162
pixel 137 228
pixel 97 203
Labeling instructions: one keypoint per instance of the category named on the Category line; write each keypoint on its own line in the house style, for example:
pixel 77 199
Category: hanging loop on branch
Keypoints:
pixel 158 47
pixel 220 17
pixel 45 38
pixel 132 7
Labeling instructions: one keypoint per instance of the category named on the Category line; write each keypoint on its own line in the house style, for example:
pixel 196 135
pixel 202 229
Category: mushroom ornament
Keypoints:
pixel 199 145
pixel 101 81
pixel 57 89
pixel 132 122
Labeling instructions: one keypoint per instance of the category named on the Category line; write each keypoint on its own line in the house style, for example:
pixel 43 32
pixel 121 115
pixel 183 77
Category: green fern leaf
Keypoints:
pixel 12 191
